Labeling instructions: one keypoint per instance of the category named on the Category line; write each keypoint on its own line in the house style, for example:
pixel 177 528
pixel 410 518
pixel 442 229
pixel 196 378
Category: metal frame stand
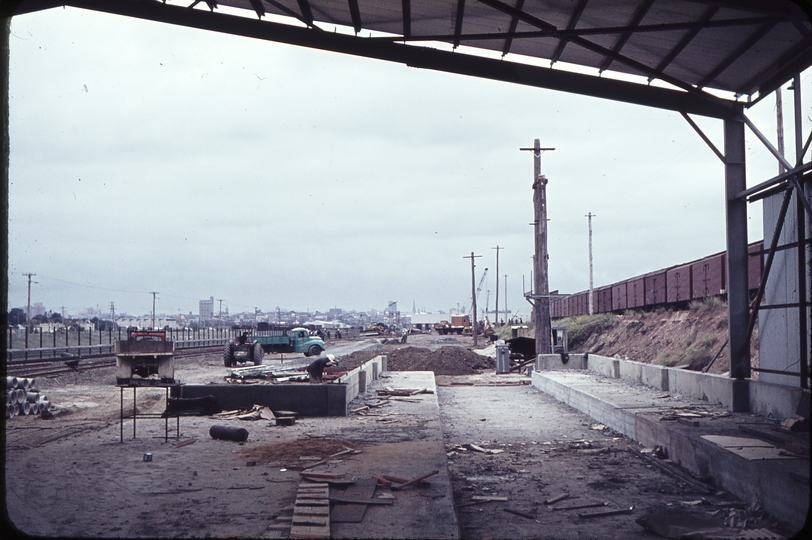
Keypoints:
pixel 135 415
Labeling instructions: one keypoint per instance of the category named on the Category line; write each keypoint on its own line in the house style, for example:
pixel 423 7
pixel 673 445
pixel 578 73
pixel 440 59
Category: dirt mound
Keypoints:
pixel 443 361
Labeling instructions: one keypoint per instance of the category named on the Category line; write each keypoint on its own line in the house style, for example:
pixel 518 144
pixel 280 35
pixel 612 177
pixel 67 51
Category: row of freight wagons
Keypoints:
pixel 691 281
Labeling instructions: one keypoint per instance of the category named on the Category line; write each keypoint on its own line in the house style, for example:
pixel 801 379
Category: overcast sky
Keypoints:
pixel 147 157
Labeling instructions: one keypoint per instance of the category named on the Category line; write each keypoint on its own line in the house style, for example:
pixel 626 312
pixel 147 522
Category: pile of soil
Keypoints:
pixel 443 361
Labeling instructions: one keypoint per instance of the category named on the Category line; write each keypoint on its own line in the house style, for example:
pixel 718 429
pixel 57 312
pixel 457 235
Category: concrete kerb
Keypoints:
pixel 768 399
pixel 636 411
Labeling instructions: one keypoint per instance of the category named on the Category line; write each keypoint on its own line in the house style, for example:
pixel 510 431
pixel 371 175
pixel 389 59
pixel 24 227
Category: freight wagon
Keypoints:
pixel 675 286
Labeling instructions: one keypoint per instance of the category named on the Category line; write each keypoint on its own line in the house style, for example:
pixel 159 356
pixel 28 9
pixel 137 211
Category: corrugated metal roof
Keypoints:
pixel 744 47
pixel 735 46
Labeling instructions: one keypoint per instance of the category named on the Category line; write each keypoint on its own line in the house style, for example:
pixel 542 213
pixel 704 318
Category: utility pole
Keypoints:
pixel 154 294
pixel 589 216
pixel 506 310
pixel 28 309
pixel 473 292
pixel 496 307
pixel 541 300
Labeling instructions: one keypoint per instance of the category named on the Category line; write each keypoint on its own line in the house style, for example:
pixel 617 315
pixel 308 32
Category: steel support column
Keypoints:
pixel 737 284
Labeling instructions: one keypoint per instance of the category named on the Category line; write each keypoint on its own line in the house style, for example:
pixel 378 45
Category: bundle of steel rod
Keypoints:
pixel 23 397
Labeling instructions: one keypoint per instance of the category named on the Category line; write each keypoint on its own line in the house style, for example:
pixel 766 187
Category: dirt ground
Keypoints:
pixel 70 476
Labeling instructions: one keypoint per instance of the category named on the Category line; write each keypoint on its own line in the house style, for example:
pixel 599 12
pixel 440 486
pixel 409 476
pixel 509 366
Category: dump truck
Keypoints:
pixel 458 325
pixel 145 353
pixel 247 347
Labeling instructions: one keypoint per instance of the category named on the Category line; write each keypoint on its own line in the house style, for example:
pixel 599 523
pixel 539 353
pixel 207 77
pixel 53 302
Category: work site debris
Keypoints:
pixel 257 412
pixel 277 374
pixel 311 512
pixel 520 514
pixel 228 433
pixel 476 448
pixel 414 481
pixel 403 392
pixel 557 498
pixel 628 510
pixel 22 397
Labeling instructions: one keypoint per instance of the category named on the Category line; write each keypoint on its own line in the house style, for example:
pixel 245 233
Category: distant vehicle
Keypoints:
pixel 145 353
pixel 458 325
pixel 250 348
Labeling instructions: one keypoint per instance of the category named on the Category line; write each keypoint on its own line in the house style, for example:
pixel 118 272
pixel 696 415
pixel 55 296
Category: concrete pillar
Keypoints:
pixel 737 284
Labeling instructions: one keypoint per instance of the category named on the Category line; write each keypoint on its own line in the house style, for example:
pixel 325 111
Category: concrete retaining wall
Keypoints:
pixel 306 399
pixel 775 400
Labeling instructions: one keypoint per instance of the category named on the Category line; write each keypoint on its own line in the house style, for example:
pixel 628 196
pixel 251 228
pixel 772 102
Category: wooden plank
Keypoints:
pixel 349 500
pixel 353 513
pixel 415 480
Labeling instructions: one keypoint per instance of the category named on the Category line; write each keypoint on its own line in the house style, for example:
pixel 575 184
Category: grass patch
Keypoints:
pixel 709 303
pixel 580 328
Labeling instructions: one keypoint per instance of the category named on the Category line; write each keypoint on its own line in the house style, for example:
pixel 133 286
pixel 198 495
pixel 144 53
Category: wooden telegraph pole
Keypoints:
pixel 473 293
pixel 540 298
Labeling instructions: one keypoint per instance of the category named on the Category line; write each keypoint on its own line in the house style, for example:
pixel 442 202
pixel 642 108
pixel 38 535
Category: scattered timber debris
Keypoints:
pixel 311 512
pixel 414 481
pixel 476 448
pixel 628 510
pixel 257 412
pixel 557 498
pixel 520 514
pixel 403 392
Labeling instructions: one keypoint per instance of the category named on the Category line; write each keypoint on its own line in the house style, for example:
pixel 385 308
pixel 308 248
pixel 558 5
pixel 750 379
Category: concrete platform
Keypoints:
pixel 712 443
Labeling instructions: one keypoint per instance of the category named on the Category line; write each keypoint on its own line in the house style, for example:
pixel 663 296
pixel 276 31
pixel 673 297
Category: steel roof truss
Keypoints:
pixel 514 22
pixel 458 22
pixel 407 17
pixel 703 136
pixel 766 142
pixel 292 13
pixel 258 7
pixel 733 56
pixel 686 39
pixel 355 13
pixel 573 22
pixel 307 13
pixel 590 46
pixel 639 13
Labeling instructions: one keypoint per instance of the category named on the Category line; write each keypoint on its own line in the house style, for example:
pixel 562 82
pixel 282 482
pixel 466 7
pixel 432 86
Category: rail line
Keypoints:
pixel 43 367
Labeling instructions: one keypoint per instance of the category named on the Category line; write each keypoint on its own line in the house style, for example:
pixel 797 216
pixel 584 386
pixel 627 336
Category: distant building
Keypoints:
pixel 207 310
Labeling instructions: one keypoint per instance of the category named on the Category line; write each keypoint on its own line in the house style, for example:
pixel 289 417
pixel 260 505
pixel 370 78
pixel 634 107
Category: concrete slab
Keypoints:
pixel 736 442
pixel 748 469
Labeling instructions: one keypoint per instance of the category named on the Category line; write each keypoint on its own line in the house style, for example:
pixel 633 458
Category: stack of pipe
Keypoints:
pixel 23 397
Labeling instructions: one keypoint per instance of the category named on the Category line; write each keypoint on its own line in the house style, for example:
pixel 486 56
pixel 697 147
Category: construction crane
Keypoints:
pixel 478 290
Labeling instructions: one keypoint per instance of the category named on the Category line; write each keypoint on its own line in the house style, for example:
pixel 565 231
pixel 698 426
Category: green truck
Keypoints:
pixel 251 347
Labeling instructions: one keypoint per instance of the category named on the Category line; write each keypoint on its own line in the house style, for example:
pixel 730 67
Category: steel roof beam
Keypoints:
pixel 291 13
pixel 514 22
pixel 638 15
pixel 593 47
pixel 355 14
pixel 458 22
pixel 794 61
pixel 421 57
pixel 573 22
pixel 687 38
pixel 307 13
pixel 407 17
pixel 736 54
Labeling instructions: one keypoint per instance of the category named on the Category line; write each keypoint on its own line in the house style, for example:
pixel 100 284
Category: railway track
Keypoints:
pixel 42 367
